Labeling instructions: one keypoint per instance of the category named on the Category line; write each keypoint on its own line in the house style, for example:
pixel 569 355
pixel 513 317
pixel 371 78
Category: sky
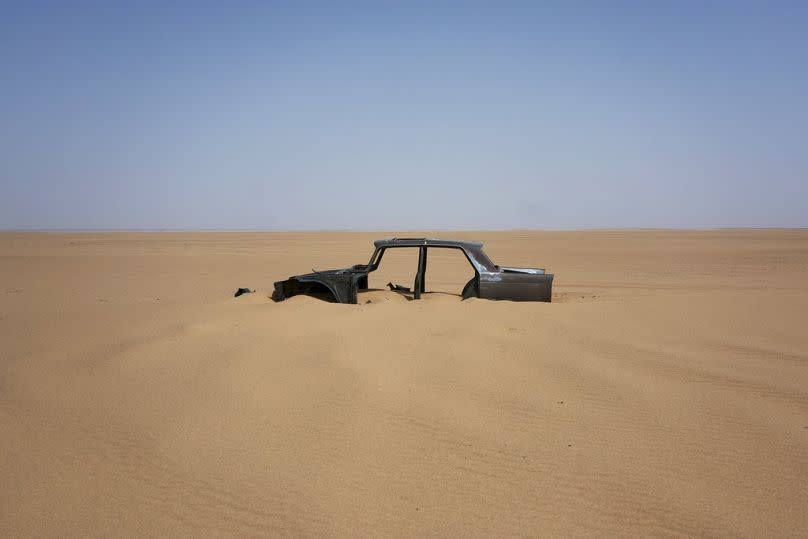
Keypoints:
pixel 403 115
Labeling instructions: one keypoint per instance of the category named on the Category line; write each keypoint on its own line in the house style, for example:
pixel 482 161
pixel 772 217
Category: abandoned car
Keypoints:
pixel 489 282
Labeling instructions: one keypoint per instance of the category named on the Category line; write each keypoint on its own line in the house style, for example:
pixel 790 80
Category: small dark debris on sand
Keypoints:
pixel 242 291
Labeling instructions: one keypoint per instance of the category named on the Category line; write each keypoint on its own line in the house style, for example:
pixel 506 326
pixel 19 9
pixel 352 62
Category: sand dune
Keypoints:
pixel 663 392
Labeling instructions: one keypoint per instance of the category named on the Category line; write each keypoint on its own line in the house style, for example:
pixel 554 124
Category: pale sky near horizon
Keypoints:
pixel 403 115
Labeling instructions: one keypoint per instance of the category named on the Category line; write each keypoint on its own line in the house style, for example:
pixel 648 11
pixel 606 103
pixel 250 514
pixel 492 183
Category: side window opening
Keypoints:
pixel 398 266
pixel 447 270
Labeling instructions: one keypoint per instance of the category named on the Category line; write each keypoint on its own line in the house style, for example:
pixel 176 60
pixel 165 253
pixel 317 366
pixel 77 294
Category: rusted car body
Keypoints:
pixel 489 282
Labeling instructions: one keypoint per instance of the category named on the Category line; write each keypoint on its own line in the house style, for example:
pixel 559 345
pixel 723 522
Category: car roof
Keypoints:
pixel 429 242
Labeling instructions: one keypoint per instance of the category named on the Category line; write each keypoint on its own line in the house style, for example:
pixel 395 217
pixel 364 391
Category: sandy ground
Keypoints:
pixel 664 392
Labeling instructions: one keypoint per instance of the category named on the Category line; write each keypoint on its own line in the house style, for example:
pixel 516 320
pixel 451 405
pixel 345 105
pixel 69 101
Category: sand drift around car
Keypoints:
pixel 489 282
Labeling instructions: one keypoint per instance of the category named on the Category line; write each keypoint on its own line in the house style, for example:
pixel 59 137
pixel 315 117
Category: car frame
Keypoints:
pixel 489 282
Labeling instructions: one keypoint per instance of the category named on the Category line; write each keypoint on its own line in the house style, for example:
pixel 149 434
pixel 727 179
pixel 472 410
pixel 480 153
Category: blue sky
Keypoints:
pixel 403 115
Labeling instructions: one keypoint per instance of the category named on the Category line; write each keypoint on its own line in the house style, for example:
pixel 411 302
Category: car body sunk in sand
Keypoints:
pixel 489 282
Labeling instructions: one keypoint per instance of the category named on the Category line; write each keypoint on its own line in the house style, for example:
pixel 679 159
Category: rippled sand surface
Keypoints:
pixel 663 392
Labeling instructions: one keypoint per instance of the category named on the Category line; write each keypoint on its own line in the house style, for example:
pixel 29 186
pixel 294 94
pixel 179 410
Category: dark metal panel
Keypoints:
pixel 516 286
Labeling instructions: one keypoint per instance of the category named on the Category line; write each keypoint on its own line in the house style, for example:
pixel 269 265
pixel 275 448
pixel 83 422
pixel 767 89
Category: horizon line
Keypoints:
pixel 357 230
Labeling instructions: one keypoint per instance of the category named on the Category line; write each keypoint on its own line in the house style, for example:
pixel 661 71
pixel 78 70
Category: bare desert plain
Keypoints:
pixel 664 391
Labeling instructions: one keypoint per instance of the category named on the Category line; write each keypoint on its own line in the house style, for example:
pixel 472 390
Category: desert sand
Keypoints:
pixel 663 392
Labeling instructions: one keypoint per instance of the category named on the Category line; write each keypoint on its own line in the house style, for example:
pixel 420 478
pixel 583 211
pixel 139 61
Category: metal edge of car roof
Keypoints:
pixel 425 241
